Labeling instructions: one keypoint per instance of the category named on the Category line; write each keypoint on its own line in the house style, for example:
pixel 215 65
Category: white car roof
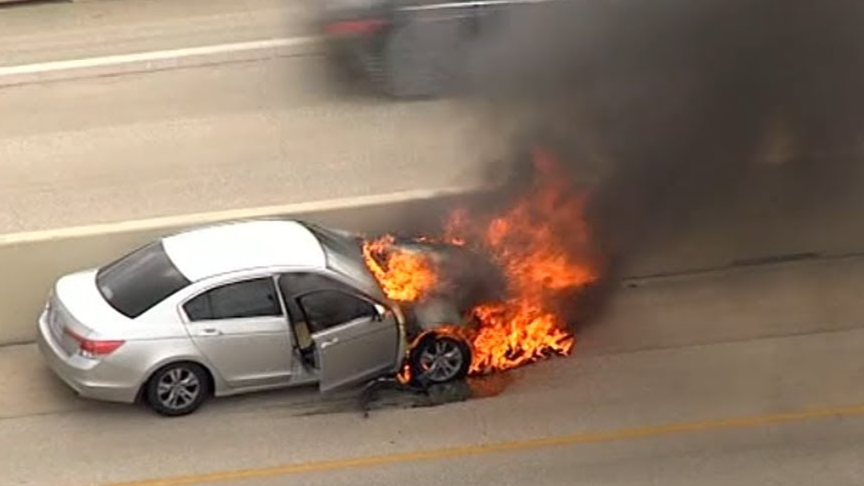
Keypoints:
pixel 230 247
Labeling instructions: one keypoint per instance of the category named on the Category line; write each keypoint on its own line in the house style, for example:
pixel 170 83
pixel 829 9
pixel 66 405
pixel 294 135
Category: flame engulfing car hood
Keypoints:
pixel 510 270
pixel 463 277
pixel 419 273
pixel 437 283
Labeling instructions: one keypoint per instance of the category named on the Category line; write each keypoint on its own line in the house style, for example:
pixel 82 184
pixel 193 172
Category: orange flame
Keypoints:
pixel 541 243
pixel 514 333
pixel 404 276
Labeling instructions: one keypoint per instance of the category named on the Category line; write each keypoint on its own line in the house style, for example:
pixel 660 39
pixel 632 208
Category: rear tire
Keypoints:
pixel 440 358
pixel 178 389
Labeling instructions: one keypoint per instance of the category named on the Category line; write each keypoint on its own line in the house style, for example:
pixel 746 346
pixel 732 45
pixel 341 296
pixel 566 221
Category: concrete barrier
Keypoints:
pixel 740 234
pixel 31 262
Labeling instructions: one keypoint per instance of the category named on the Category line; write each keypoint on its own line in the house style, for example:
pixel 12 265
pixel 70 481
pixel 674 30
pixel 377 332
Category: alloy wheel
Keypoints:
pixel 178 388
pixel 441 360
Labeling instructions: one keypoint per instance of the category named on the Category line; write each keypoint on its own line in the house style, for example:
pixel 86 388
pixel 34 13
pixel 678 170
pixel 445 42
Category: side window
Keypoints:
pixel 250 298
pixel 198 309
pixel 329 308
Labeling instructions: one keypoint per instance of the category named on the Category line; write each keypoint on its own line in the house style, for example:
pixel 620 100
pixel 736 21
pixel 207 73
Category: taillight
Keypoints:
pixel 91 348
pixel 366 26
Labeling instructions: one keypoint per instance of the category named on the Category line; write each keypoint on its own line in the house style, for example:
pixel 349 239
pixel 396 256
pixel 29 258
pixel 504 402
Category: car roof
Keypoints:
pixel 229 247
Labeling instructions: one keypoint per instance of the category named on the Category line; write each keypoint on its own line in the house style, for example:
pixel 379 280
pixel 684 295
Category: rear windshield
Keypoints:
pixel 138 281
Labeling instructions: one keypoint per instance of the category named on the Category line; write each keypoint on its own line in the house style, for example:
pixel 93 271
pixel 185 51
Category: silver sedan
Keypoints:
pixel 239 307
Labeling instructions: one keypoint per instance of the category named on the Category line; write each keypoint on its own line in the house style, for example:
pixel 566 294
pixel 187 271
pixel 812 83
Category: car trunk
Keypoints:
pixel 77 312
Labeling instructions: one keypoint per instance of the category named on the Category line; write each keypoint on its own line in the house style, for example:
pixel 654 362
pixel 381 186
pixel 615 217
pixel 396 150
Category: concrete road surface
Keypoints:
pixel 735 376
pixel 782 454
pixel 744 376
pixel 282 130
pixel 212 138
pixel 228 135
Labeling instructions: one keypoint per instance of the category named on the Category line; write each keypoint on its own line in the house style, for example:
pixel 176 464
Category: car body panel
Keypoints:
pixel 117 377
pixel 355 351
pixel 87 311
pixel 247 352
pixel 435 312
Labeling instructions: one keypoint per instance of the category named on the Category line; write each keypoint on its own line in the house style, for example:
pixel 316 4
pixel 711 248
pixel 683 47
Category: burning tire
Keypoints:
pixel 439 358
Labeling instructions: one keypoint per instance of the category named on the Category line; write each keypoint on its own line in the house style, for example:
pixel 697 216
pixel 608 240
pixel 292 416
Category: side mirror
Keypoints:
pixel 381 312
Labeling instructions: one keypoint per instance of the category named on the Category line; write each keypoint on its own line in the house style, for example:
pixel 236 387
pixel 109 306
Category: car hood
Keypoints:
pixel 466 276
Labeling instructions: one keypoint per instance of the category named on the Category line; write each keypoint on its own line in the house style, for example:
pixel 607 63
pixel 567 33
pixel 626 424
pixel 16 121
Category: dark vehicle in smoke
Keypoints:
pixel 412 48
pixel 247 306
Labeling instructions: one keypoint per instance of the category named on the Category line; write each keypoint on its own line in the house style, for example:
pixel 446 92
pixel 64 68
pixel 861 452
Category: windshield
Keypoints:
pixel 344 255
pixel 138 281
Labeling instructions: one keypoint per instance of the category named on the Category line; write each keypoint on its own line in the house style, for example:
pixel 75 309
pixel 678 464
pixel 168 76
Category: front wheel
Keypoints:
pixel 440 359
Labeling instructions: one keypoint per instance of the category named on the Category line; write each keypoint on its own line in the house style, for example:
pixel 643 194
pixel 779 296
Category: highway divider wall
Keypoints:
pixel 31 263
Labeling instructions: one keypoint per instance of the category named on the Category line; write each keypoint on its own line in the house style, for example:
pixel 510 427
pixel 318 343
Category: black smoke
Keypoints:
pixel 667 106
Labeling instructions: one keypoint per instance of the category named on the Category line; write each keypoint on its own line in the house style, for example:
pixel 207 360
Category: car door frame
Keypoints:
pixel 322 341
pixel 280 376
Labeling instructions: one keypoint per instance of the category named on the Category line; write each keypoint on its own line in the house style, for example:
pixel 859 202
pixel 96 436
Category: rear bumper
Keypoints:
pixel 89 378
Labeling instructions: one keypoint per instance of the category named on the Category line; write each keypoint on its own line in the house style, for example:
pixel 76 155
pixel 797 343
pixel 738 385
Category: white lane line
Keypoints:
pixel 470 4
pixel 195 219
pixel 153 56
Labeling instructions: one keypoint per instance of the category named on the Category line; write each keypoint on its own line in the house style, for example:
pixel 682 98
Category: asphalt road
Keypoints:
pixel 685 377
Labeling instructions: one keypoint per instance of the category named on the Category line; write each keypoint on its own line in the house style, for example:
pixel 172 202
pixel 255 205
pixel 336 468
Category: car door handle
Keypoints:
pixel 328 343
pixel 210 332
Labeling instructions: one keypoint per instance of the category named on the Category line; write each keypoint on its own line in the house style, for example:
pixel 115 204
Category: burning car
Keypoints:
pixel 253 305
pixel 247 306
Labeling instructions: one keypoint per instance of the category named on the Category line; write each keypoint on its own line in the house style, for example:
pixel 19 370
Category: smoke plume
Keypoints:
pixel 667 106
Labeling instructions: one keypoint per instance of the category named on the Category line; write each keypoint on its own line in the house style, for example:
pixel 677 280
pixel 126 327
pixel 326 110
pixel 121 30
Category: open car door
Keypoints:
pixel 353 338
pixel 358 350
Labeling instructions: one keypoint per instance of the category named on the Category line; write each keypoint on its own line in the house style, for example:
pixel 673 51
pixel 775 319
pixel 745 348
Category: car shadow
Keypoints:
pixel 297 401
pixel 380 395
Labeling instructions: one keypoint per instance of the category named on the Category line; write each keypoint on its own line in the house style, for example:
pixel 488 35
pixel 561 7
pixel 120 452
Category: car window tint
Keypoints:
pixel 198 309
pixel 296 283
pixel 329 308
pixel 251 298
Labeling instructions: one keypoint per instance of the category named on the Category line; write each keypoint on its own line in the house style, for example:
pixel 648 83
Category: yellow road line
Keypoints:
pixel 562 440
